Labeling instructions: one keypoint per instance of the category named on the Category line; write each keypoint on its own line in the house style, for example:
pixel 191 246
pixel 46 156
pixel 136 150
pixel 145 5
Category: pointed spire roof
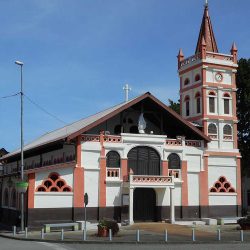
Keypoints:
pixel 234 47
pixel 206 31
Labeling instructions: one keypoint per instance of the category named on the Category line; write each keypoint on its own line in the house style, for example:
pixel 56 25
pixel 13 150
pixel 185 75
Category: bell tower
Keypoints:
pixel 208 88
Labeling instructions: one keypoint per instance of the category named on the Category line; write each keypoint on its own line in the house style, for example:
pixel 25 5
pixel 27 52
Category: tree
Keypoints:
pixel 243 112
pixel 174 105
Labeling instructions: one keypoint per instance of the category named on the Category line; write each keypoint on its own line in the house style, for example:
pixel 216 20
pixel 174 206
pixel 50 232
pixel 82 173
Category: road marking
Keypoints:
pixel 53 246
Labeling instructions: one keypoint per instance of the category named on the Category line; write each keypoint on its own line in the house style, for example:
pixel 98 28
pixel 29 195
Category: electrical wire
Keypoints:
pixel 8 96
pixel 44 110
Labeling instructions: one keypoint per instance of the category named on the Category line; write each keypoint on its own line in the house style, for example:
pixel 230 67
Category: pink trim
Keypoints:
pixel 184 187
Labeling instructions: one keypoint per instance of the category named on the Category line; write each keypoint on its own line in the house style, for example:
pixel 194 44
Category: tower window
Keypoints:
pixel 187 81
pixel 227 132
pixel 212 131
pixel 187 105
pixel 198 103
pixel 211 102
pixel 197 77
pixel 226 98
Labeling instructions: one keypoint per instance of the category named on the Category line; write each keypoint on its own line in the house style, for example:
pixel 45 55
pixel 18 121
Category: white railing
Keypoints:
pixel 176 173
pixel 112 174
pixel 150 180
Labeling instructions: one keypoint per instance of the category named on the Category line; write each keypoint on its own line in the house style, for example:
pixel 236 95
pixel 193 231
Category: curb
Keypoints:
pixel 125 242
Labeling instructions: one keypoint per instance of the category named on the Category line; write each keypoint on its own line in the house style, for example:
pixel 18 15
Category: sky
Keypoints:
pixel 79 54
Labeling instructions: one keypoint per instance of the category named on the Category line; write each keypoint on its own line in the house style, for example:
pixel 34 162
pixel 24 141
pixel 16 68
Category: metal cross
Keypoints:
pixel 126 89
pixel 206 2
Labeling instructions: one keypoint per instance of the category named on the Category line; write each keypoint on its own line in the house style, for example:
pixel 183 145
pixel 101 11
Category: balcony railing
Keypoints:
pixel 106 138
pixel 150 180
pixel 112 174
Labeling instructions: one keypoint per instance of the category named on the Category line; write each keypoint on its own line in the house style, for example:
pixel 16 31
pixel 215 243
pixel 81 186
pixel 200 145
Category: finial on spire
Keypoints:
pixel 206 3
pixel 126 89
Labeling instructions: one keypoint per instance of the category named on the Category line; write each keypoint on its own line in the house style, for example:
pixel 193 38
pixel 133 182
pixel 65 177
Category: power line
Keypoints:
pixel 44 110
pixel 8 96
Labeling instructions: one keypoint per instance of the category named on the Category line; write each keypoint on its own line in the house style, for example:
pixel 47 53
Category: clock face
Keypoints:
pixel 218 77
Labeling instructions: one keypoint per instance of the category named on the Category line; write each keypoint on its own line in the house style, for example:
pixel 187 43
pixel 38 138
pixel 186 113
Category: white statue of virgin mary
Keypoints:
pixel 141 124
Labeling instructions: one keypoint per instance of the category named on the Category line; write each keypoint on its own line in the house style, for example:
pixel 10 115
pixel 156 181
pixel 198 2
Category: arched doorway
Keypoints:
pixel 144 204
pixel 144 161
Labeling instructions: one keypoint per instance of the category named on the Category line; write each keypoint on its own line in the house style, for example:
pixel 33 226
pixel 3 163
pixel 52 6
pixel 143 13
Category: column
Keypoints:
pixel 172 207
pixel 102 179
pixel 203 180
pixel 78 184
pixel 31 190
pixel 164 165
pixel 124 169
pixel 131 206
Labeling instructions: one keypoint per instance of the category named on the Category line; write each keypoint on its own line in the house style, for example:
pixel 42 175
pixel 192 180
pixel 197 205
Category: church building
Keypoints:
pixel 139 160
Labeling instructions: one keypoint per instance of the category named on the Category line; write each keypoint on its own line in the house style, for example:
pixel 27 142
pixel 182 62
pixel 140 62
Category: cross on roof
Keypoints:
pixel 126 89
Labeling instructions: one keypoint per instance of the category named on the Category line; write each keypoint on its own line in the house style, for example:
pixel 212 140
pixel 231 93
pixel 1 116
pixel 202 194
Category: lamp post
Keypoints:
pixel 22 175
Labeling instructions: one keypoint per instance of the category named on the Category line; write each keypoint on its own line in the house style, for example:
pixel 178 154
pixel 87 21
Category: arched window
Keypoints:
pixel 113 160
pixel 198 102
pixel 226 98
pixel 187 81
pixel 197 77
pixel 227 130
pixel 174 161
pixel 6 198
pixel 212 130
pixel 187 101
pixel 13 198
pixel 211 102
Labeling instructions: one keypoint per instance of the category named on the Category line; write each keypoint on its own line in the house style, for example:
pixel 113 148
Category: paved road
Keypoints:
pixel 8 244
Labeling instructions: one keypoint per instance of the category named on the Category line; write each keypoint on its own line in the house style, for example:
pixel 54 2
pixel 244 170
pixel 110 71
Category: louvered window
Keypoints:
pixel 212 129
pixel 187 108
pixel 227 130
pixel 174 161
pixel 144 161
pixel 198 105
pixel 226 106
pixel 113 160
pixel 211 104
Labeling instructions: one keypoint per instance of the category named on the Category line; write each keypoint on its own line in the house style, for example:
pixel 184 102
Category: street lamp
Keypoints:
pixel 21 186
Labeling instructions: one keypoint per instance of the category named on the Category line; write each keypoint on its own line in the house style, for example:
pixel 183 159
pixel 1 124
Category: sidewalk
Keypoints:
pixel 149 233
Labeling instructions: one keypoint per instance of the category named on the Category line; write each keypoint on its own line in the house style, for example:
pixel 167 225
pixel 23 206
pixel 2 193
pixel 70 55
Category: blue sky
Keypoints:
pixel 78 54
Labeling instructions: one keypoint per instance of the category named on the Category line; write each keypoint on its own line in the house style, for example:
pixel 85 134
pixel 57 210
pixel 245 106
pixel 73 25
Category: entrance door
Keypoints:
pixel 144 204
pixel 144 161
